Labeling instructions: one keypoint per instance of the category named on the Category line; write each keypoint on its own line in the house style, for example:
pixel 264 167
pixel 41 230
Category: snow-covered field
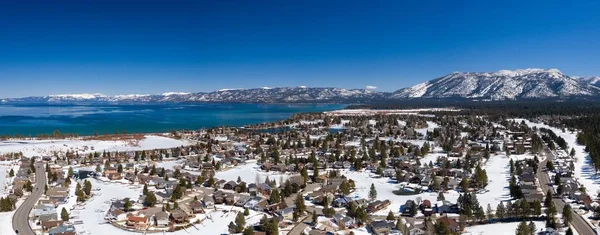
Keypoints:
pixel 498 172
pixel 430 127
pixel 499 229
pixel 584 170
pixel 250 173
pixel 48 147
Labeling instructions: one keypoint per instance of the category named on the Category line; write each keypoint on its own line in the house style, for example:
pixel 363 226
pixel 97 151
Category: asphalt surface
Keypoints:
pixel 580 225
pixel 20 220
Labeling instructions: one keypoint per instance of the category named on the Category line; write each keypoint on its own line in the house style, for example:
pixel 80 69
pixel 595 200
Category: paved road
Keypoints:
pixel 20 220
pixel 580 225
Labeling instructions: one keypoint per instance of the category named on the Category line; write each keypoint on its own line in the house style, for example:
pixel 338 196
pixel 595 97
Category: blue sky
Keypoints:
pixel 112 47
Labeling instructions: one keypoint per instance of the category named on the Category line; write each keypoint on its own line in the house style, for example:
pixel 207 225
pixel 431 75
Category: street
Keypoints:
pixel 580 225
pixel 20 220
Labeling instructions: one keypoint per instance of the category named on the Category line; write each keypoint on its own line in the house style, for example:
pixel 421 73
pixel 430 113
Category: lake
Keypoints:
pixel 32 119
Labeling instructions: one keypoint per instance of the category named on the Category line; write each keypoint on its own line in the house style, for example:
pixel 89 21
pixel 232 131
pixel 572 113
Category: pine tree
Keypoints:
pixel 567 215
pixel 64 215
pixel 248 230
pixel 87 187
pixel 300 206
pixel 240 222
pixel 150 199
pixel 390 216
pixel 489 212
pixel 569 231
pixel 523 229
pixel 372 192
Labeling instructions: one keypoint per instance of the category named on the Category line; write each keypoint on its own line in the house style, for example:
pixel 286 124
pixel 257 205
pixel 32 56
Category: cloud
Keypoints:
pixel 369 87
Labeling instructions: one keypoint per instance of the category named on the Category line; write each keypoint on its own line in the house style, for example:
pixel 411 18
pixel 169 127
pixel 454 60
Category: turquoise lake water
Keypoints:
pixel 33 119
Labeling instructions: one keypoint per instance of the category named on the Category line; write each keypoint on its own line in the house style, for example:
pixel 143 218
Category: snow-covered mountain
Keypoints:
pixel 500 85
pixel 589 80
pixel 503 84
pixel 256 95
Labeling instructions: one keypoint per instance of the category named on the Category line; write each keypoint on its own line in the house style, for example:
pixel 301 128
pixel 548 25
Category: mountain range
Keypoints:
pixel 500 85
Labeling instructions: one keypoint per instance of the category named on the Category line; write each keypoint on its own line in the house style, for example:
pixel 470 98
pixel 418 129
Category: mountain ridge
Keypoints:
pixel 532 83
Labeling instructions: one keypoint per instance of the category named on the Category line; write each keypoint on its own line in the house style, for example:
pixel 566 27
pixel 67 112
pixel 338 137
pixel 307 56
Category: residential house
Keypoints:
pixel 451 223
pixel 196 207
pixel 381 227
pixel 161 219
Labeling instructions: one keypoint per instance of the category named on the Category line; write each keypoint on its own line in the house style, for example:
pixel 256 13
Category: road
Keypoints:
pixel 20 220
pixel 580 225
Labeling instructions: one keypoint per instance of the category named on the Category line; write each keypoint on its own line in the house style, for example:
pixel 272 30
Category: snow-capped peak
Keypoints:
pixel 175 93
pixel 521 72
pixel 503 84
pixel 84 96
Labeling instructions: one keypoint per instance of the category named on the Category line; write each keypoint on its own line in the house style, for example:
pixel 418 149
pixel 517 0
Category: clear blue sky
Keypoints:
pixel 50 47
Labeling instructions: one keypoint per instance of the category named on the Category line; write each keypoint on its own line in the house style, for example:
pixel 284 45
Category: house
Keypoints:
pixel 43 209
pixel 62 230
pixel 407 208
pixel 286 213
pixel 116 215
pixel 47 217
pixel 161 219
pixel 426 208
pixel 196 206
pixel 446 207
pixel 219 197
pixel 347 221
pixel 51 224
pixel 378 205
pixel 418 229
pixel 208 201
pixel 264 189
pixel 229 199
pixel 381 227
pixel 341 202
pixel 179 216
pixel 137 221
pixel 451 223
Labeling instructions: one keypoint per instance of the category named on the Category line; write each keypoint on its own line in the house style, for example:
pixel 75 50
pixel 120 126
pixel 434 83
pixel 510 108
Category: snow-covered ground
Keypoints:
pixel 496 168
pixel 251 173
pixel 430 127
pixel 48 147
pixel 499 229
pixel 498 172
pixel 93 213
pixel 584 170
pixel 3 176
pixel 385 188
pixel 6 223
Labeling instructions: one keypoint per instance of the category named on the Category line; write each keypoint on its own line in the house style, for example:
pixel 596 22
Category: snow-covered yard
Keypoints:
pixel 499 229
pixel 6 223
pixel 498 172
pixel 48 147
pixel 385 188
pixel 250 173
